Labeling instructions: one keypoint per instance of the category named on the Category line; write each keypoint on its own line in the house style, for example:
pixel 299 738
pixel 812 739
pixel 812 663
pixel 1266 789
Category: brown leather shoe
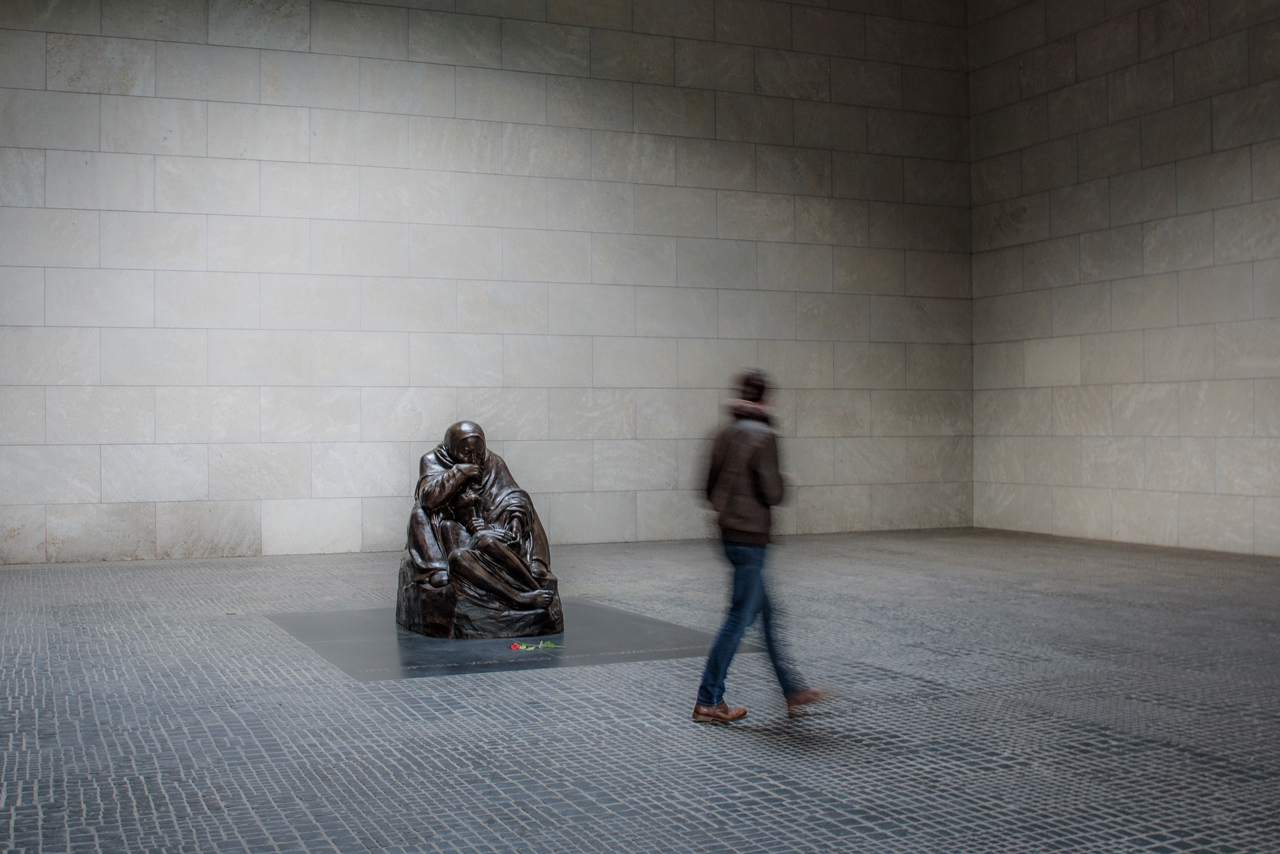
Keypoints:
pixel 720 712
pixel 804 697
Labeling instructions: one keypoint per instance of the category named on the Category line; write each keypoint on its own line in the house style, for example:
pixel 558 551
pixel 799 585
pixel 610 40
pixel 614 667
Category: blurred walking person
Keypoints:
pixel 743 482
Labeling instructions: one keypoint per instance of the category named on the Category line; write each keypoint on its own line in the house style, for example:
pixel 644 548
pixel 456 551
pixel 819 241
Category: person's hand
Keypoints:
pixel 470 471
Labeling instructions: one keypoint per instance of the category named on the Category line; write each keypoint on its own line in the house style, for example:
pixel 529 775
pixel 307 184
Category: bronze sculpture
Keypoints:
pixel 477 563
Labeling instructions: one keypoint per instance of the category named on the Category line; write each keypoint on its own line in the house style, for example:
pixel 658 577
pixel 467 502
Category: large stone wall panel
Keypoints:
pixel 284 241
pixel 170 20
pixel 203 414
pixel 1247 115
pixel 22 177
pixel 1218 522
pixel 401 87
pixel 50 474
pixel 134 473
pixel 263 244
pixel 313 526
pixel 22 415
pixel 593 517
pixel 75 16
pixel 717 67
pixel 716 263
pixel 37 355
pixel 1016 507
pixel 82 532
pixel 501 95
pixel 200 529
pixel 81 297
pixel 692 19
pixel 449 39
pixel 457 145
pixel 36 119
pixel 285 25
pixel 632 56
pixel 634 259
pixel 669 110
pixel 167 241
pixel 99 415
pixel 753 22
pixel 1211 68
pixel 22 534
pixel 258 471
pixel 99 181
pixel 259 131
pixel 360 139
pixel 103 66
pixel 595 104
pixel 673 515
pixel 455 360
pixel 47 237
pixel 154 126
pixel 678 312
pixel 708 363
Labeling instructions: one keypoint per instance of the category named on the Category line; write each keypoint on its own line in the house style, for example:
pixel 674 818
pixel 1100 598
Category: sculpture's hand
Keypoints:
pixel 436 491
pixel 502 535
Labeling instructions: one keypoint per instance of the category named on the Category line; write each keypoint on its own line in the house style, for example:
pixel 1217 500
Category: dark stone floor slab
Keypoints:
pixel 367 645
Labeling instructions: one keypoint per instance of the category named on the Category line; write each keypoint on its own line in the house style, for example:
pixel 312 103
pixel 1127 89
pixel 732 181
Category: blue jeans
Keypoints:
pixel 749 599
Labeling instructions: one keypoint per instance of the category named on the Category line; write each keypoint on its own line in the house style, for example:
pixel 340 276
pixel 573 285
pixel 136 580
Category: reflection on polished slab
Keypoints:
pixel 367 645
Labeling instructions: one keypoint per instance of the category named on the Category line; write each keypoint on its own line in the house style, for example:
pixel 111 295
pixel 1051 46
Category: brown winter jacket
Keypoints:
pixel 744 481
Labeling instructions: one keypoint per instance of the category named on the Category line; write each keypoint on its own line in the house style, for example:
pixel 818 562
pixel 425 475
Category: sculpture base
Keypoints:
pixel 439 612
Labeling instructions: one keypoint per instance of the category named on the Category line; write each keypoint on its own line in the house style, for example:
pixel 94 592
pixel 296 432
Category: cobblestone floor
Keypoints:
pixel 998 693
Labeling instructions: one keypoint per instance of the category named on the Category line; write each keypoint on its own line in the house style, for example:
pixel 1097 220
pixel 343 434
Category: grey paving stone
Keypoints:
pixel 996 693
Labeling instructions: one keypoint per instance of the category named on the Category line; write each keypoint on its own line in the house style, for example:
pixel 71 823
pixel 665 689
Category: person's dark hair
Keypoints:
pixel 754 384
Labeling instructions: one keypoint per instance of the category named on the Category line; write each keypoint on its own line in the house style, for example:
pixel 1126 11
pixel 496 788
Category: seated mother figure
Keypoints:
pixel 474 529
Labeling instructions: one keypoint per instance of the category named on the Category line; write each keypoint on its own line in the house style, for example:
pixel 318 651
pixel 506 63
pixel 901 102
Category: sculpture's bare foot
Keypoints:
pixel 537 599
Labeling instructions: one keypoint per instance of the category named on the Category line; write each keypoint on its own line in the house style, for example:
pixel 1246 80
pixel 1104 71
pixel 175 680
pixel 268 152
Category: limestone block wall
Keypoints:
pixel 1126 270
pixel 254 257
